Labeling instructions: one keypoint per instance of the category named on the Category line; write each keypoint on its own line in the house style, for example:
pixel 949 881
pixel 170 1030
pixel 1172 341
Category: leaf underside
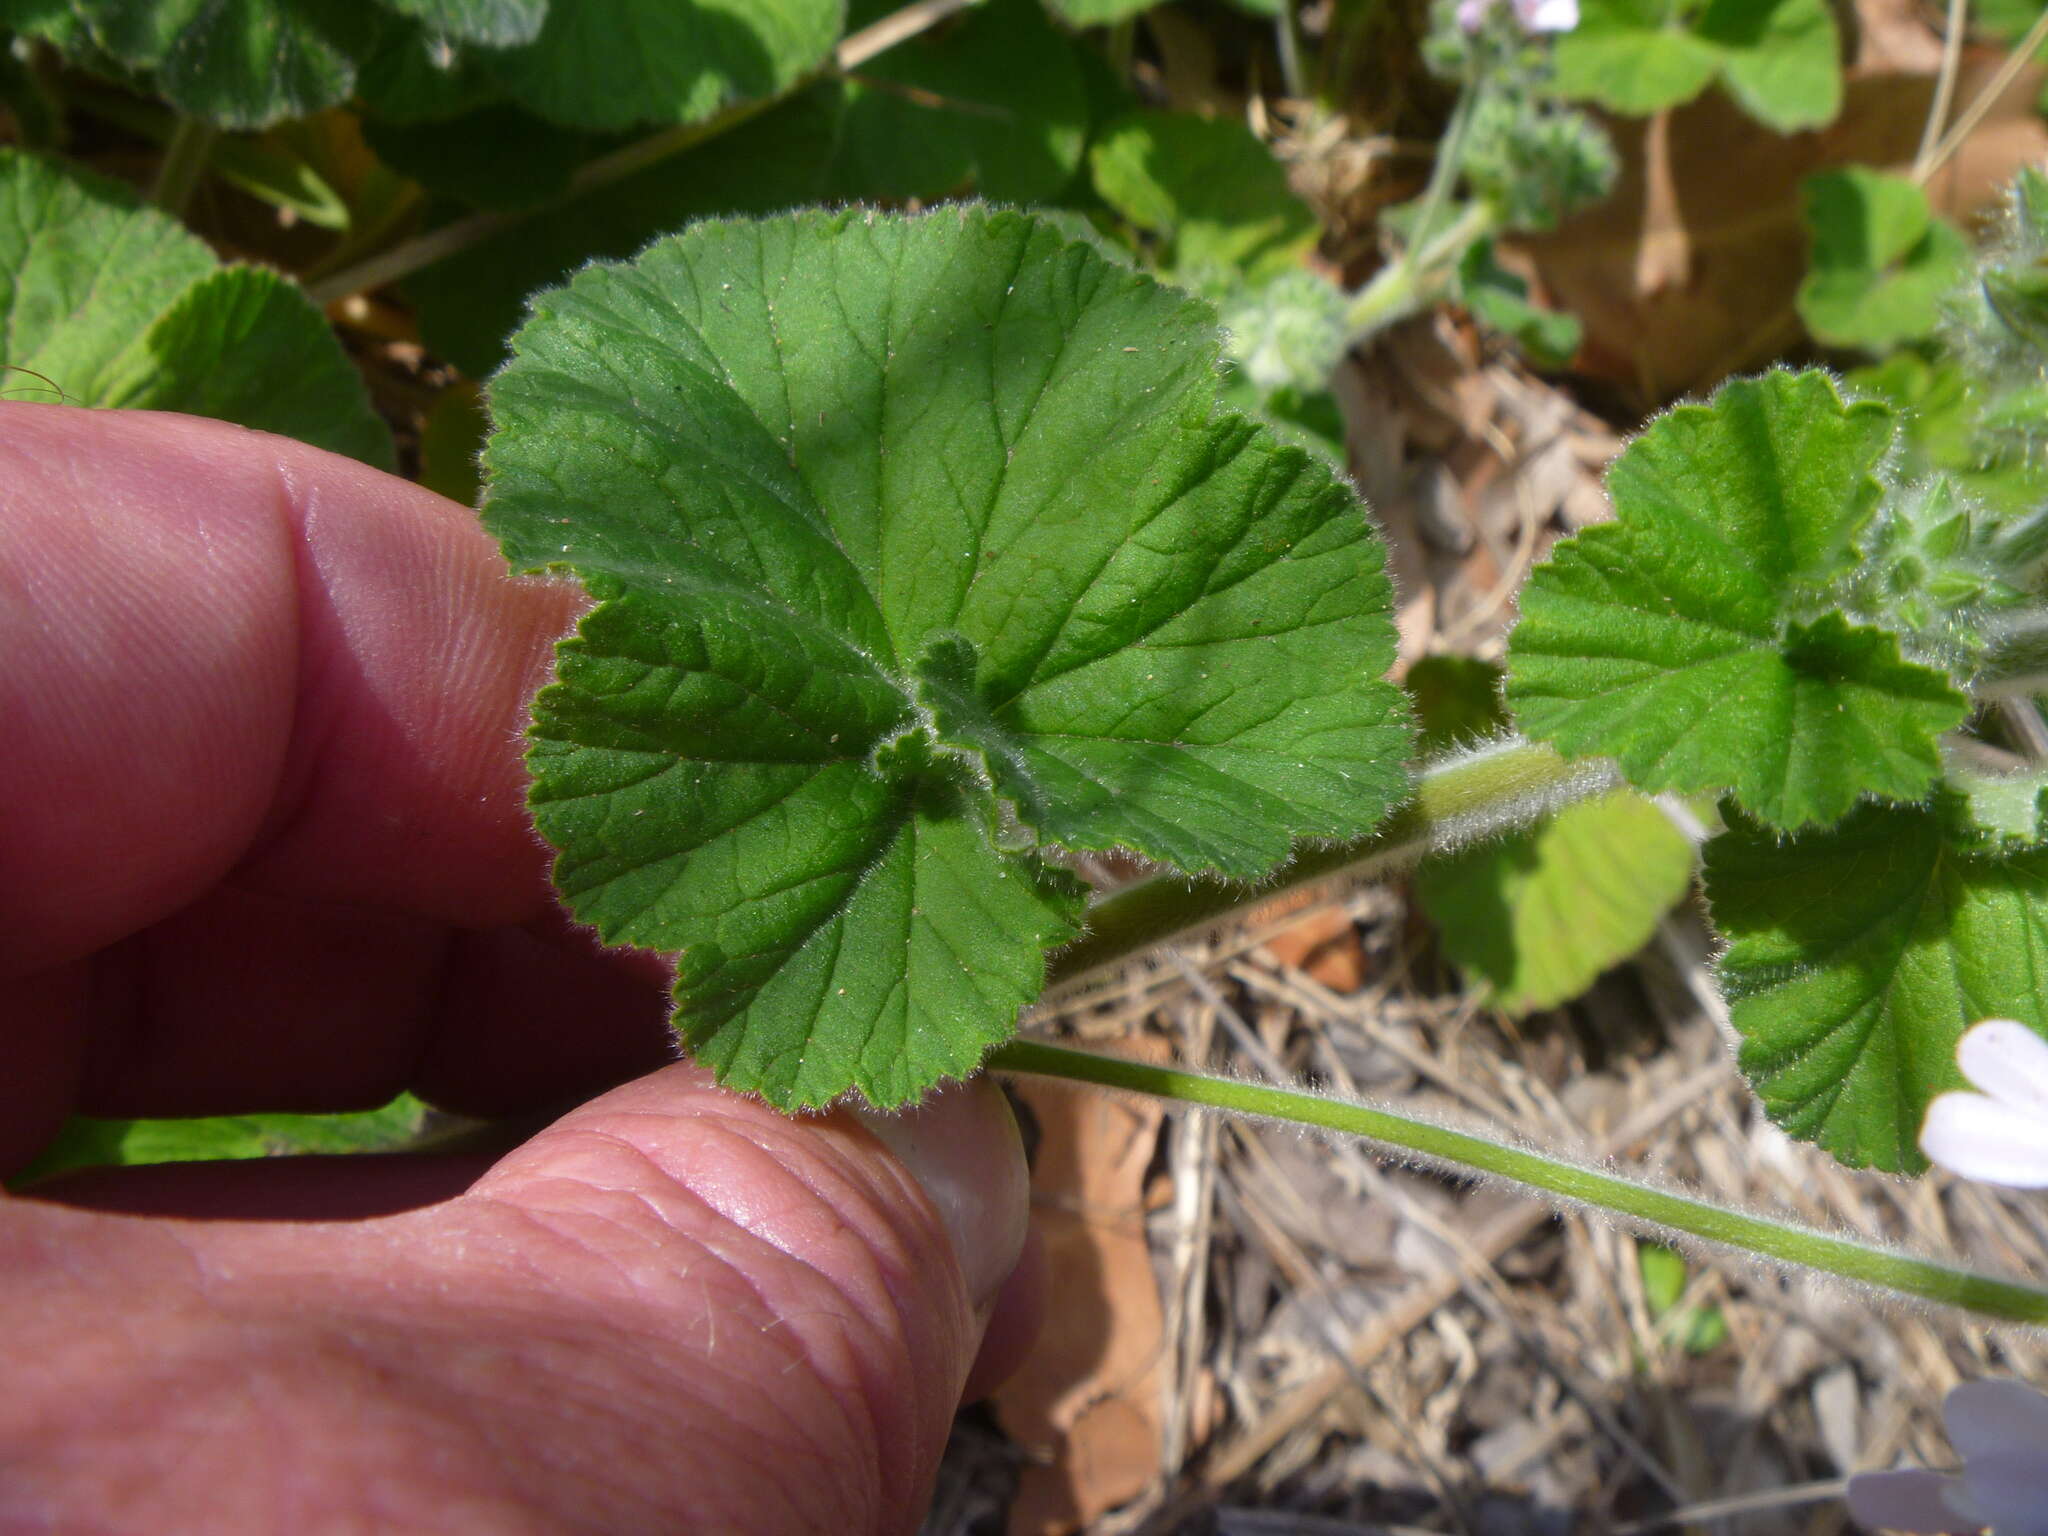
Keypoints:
pixel 1541 913
pixel 919 544
pixel 1858 955
pixel 1692 640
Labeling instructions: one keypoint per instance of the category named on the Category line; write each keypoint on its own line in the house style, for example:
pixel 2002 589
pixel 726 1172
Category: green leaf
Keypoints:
pixel 1881 261
pixel 998 98
pixel 1098 13
pixel 117 305
pixel 1942 419
pixel 87 1142
pixel 1457 701
pixel 246 345
pixel 84 270
pixel 996 101
pixel 1780 59
pixel 1999 811
pixel 1681 639
pixel 1207 184
pixel 1499 300
pixel 494 156
pixel 612 64
pixel 884 514
pixel 1858 955
pixel 239 63
pixel 1540 914
pixel 495 23
pixel 1634 57
pixel 1664 1276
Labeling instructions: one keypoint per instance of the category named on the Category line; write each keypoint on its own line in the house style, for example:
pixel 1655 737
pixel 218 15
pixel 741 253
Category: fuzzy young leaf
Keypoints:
pixel 883 513
pixel 1542 913
pixel 1881 260
pixel 1857 956
pixel 1694 639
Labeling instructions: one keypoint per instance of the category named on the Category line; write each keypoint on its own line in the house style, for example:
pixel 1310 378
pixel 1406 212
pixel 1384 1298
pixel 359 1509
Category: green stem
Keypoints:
pixel 1639 1203
pixel 183 164
pixel 1458 800
pixel 1417 279
pixel 1287 28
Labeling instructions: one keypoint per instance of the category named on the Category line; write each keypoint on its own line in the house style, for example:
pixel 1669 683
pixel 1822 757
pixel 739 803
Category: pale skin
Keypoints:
pixel 262 846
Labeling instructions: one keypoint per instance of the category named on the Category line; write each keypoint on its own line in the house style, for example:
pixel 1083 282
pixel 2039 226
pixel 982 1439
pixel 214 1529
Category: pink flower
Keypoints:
pixel 1998 1136
pixel 1530 15
pixel 2000 1429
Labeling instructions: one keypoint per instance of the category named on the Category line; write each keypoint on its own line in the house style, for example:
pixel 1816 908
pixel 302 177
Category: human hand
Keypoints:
pixel 263 847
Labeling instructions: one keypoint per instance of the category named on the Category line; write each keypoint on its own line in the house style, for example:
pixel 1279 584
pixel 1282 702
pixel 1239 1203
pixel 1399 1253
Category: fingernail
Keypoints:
pixel 961 1144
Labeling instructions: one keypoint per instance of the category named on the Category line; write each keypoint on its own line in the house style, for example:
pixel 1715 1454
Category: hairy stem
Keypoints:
pixel 1638 1203
pixel 1458 800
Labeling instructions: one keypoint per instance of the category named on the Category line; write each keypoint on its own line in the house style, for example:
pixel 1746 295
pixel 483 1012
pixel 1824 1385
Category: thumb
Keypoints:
pixel 673 1310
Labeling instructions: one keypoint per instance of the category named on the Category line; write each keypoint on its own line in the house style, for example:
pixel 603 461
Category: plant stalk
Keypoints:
pixel 1482 793
pixel 1639 1204
pixel 1416 280
pixel 184 163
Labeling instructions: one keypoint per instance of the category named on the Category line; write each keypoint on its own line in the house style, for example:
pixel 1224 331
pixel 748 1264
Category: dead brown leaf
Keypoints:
pixel 1086 1406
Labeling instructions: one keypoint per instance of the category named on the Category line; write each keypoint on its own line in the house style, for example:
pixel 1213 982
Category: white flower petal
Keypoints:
pixel 1902 1501
pixel 1998 1418
pixel 1472 14
pixel 1547 15
pixel 1980 1138
pixel 2008 1061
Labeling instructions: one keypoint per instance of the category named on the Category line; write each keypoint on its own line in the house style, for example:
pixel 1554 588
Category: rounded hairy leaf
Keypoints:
pixel 918 543
pixel 1859 954
pixel 1694 639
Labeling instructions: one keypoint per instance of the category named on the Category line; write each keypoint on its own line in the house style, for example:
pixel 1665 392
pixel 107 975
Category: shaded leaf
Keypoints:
pixel 84 270
pixel 239 63
pixel 246 345
pixel 612 64
pixel 1207 184
pixel 1881 261
pixel 1540 914
pixel 116 305
pixel 497 23
pixel 1499 300
pixel 88 1142
pixel 1858 955
pixel 951 111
